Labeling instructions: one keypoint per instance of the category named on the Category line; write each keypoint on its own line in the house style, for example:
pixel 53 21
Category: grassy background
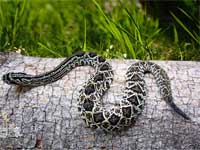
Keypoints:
pixel 111 28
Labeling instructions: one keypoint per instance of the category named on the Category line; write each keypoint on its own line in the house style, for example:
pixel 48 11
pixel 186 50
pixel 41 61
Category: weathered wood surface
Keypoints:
pixel 46 117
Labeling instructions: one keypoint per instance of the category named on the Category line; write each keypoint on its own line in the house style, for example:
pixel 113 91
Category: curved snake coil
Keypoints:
pixel 90 100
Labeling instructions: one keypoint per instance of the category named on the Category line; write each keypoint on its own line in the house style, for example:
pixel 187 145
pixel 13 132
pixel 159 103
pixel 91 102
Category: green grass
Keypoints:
pixel 114 29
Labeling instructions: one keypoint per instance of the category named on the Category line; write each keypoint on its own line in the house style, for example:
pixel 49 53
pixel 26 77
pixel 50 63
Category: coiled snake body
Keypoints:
pixel 89 102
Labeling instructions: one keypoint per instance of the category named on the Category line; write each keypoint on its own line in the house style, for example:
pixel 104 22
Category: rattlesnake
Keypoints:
pixel 90 99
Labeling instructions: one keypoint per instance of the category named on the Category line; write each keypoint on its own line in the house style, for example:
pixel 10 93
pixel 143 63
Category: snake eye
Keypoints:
pixel 18 74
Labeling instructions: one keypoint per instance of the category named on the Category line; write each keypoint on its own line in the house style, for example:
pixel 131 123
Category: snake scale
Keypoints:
pixel 90 105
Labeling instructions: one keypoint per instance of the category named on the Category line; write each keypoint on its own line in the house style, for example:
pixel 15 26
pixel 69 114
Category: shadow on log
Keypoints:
pixel 46 117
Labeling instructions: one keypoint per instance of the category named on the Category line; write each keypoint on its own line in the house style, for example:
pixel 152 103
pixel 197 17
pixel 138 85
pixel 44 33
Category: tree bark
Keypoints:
pixel 46 117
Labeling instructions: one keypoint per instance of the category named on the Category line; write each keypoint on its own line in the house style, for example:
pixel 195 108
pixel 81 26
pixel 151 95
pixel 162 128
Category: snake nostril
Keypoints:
pixel 4 77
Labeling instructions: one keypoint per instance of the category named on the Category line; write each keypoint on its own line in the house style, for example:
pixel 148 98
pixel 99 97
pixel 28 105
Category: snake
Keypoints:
pixel 90 104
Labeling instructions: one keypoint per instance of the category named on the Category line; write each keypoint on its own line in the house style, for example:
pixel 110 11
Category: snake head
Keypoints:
pixel 13 78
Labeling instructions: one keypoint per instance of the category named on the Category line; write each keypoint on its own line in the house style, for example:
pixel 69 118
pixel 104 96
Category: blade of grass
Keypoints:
pixel 22 8
pixel 99 8
pixel 124 30
pixel 184 27
pixel 49 50
pixel 2 18
pixel 129 45
pixel 15 26
pixel 151 38
pixel 111 26
pixel 85 36
pixel 185 13
pixel 137 32
pixel 194 19
pixel 132 19
pixel 181 53
pixel 175 35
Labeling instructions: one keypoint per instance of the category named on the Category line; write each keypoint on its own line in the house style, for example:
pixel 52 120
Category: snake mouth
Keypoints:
pixel 5 78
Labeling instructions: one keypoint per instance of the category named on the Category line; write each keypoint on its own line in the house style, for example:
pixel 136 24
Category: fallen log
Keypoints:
pixel 46 117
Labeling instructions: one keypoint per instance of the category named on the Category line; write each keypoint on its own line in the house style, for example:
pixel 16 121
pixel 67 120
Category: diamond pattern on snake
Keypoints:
pixel 90 105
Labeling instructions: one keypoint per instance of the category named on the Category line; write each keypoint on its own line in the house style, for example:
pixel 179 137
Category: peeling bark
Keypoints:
pixel 46 117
